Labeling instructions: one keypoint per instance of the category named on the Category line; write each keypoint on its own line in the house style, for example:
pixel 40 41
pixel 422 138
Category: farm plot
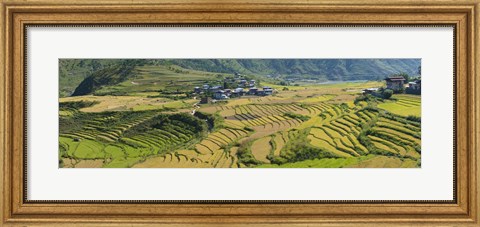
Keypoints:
pixel 405 105
pixel 215 151
pixel 391 136
pixel 122 139
pixel 151 126
pixel 279 141
pixel 261 148
pixel 108 126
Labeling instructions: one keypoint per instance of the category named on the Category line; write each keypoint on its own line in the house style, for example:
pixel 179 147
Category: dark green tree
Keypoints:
pixel 387 93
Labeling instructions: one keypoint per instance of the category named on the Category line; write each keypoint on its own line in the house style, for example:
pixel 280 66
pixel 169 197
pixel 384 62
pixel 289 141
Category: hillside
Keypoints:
pixel 330 69
pixel 108 76
pixel 84 76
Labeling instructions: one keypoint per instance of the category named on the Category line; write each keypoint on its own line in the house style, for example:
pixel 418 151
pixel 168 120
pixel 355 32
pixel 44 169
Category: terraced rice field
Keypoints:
pixel 405 105
pixel 300 128
pixel 387 136
pixel 110 137
pixel 261 148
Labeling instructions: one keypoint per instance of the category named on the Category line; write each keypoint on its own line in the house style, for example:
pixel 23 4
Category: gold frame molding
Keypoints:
pixel 16 15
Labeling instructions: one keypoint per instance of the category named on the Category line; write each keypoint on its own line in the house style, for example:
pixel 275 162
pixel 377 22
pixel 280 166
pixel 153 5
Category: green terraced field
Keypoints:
pixel 153 121
pixel 405 105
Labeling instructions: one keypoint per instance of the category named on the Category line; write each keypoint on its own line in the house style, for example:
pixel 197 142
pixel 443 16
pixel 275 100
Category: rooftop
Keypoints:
pixel 395 78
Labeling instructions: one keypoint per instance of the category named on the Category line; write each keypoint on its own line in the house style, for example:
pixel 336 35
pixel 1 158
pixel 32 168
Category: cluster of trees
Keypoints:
pixel 377 96
pixel 182 121
pixel 245 156
pixel 214 121
pixel 385 93
pixel 299 149
pixel 296 116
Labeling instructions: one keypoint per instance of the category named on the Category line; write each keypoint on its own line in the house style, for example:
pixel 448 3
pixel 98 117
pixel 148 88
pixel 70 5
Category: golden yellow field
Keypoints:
pixel 123 103
pixel 261 148
pixel 325 122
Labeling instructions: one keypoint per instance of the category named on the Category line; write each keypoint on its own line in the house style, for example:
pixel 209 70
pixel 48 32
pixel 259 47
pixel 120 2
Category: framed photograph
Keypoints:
pixel 204 112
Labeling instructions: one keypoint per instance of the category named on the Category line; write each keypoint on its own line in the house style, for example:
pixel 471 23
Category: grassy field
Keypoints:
pixel 152 121
pixel 405 105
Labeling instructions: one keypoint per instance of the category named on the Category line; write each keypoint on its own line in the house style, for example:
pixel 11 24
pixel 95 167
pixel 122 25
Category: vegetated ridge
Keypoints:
pixel 84 76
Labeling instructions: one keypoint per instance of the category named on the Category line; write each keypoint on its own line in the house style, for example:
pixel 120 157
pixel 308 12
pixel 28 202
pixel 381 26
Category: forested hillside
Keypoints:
pixel 331 69
pixel 87 72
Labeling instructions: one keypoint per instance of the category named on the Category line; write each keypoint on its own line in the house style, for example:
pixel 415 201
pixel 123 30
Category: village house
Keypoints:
pixel 395 83
pixel 242 83
pixel 205 100
pixel 267 90
pixel 220 94
pixel 252 83
pixel 215 88
pixel 414 87
pixel 237 92
pixel 252 91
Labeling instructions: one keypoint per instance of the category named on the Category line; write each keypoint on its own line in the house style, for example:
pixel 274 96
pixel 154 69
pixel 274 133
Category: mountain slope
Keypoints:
pixel 108 76
pixel 87 75
pixel 331 69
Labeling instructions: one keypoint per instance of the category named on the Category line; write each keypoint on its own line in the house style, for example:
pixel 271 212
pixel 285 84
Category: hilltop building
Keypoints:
pixel 395 83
